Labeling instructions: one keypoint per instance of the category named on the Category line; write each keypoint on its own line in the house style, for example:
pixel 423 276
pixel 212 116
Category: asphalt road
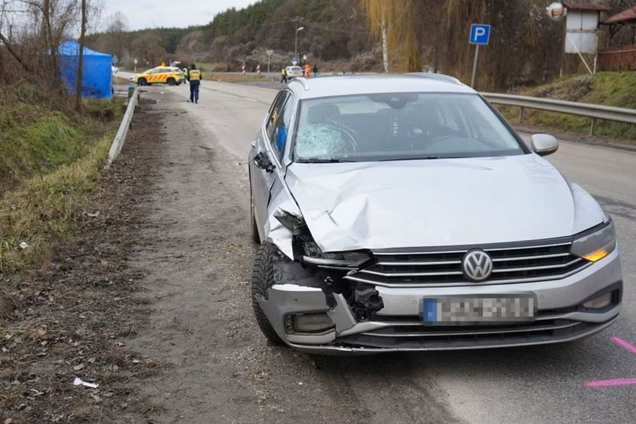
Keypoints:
pixel 525 385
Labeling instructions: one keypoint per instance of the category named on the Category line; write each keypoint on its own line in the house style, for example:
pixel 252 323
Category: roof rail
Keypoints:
pixel 439 77
pixel 302 81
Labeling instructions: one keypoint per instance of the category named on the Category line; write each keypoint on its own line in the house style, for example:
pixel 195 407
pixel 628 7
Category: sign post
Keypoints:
pixel 269 58
pixel 480 36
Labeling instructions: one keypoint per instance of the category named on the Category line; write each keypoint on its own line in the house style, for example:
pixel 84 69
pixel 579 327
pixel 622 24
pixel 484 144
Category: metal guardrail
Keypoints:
pixel 588 110
pixel 120 138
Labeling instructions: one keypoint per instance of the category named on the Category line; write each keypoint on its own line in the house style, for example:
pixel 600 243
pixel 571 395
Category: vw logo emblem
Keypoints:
pixel 477 265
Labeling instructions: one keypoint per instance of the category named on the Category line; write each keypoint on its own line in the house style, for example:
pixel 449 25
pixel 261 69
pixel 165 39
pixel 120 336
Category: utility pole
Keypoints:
pixel 297 20
pixel 269 58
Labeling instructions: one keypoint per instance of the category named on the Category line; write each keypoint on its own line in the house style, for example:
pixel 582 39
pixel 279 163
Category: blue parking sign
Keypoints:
pixel 479 34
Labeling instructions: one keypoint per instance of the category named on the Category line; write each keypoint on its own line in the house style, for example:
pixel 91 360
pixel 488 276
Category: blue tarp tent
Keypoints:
pixel 97 79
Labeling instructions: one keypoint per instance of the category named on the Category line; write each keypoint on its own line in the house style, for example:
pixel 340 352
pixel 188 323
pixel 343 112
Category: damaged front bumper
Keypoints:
pixel 398 325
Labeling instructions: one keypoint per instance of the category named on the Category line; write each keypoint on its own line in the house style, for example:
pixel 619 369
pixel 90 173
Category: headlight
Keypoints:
pixel 343 260
pixel 597 245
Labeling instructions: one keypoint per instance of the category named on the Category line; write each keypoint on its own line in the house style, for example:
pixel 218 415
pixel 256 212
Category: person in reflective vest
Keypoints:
pixel 194 76
pixel 307 70
pixel 185 73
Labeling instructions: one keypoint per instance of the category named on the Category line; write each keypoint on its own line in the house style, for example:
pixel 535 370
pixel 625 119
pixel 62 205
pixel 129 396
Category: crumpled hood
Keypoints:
pixel 450 202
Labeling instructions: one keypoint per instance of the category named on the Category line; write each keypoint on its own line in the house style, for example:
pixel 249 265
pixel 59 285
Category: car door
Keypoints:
pixel 162 75
pixel 266 151
pixel 152 75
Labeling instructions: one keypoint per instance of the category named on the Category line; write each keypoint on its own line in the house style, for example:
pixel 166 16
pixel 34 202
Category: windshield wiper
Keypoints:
pixel 412 158
pixel 323 160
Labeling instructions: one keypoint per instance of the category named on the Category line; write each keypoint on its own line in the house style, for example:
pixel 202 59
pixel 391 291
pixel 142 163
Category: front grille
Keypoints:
pixel 418 336
pixel 511 264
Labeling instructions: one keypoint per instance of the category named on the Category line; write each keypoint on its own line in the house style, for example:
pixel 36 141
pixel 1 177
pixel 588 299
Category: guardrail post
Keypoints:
pixel 521 111
pixel 593 126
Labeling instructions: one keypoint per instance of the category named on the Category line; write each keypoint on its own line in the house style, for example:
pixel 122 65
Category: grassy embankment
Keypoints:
pixel 605 88
pixel 49 170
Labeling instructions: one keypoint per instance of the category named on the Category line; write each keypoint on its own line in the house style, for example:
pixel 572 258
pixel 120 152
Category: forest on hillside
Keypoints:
pixel 526 47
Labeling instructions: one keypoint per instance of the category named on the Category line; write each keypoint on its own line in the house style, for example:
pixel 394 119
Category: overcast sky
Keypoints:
pixel 169 13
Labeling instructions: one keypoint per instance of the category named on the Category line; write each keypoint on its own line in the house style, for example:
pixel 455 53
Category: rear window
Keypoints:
pixel 401 126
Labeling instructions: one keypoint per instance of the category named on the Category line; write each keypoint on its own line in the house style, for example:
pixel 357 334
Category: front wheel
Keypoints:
pixel 142 82
pixel 263 279
pixel 172 81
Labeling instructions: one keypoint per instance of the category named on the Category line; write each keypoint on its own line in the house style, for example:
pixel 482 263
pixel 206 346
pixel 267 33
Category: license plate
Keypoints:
pixel 475 310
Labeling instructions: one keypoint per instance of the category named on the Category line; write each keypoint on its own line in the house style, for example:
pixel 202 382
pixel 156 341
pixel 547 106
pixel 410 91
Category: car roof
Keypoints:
pixel 382 83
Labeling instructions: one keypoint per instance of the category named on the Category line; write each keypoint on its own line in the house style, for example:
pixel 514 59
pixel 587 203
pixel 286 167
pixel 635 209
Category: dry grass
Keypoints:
pixel 49 169
pixel 605 88
pixel 43 208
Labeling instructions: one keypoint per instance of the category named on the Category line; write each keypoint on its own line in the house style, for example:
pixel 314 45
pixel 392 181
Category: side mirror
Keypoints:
pixel 262 162
pixel 544 144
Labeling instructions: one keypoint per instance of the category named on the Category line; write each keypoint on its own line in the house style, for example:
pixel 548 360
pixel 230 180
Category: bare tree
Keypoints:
pixel 116 34
pixel 80 64
pixel 36 29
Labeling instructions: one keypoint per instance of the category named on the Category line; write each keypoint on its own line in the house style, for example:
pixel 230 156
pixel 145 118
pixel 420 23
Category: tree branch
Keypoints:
pixel 13 52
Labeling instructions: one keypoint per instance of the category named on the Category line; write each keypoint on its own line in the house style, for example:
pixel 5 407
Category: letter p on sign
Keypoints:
pixel 479 34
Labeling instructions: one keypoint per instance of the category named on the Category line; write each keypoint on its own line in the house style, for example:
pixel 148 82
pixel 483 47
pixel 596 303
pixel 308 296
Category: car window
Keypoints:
pixel 401 126
pixel 281 127
pixel 275 113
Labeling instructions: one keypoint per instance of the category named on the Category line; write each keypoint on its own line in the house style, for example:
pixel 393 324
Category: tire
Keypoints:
pixel 142 81
pixel 262 279
pixel 171 81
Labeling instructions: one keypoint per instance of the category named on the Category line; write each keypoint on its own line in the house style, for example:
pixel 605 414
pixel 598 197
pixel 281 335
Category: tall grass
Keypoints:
pixel 49 170
pixel 39 135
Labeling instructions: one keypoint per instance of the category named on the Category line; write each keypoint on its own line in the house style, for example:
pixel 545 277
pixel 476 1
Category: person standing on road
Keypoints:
pixel 307 70
pixel 315 71
pixel 194 76
pixel 283 76
pixel 185 73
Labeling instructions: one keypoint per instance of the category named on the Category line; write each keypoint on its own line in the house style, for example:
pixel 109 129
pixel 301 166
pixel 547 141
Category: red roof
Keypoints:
pixel 587 6
pixel 625 15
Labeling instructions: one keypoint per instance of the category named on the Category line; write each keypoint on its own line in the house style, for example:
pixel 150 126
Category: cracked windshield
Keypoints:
pixel 401 126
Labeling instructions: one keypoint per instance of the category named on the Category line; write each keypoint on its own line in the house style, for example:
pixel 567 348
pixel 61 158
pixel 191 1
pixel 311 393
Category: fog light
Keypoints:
pixel 311 323
pixel 599 302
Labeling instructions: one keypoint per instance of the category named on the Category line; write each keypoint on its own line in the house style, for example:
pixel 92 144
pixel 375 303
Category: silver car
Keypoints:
pixel 294 72
pixel 403 213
